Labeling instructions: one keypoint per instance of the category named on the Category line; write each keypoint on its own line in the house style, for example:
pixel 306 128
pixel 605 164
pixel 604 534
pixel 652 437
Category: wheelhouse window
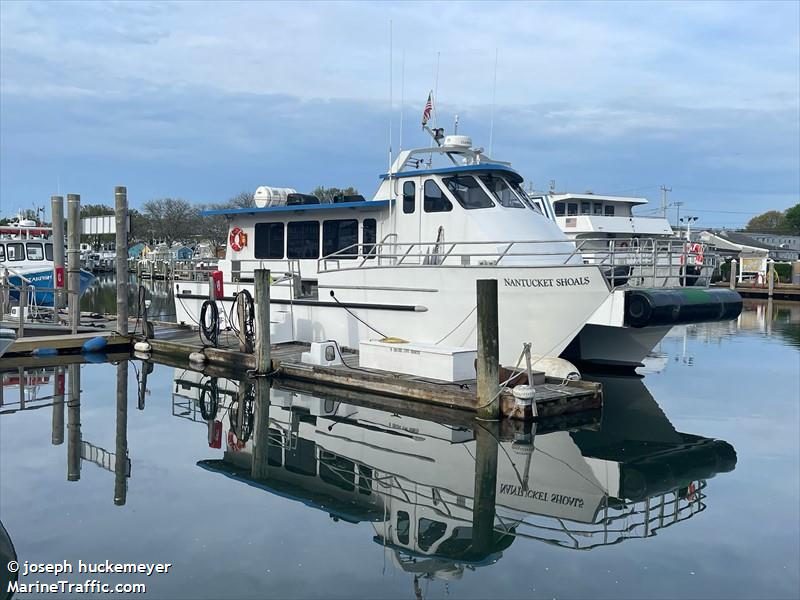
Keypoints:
pixel 35 251
pixel 409 197
pixel 598 208
pixel 609 210
pixel 2 253
pixel 269 240
pixel 559 206
pixel 586 208
pixel 468 192
pixel 48 251
pixel 15 251
pixel 501 191
pixel 572 209
pixel 435 200
pixel 403 526
pixel 368 237
pixel 338 235
pixel 302 239
pixel 429 532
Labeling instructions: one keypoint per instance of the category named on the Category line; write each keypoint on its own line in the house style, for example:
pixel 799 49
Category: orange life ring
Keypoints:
pixel 237 239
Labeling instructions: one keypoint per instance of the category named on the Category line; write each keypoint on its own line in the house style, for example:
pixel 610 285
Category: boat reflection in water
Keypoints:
pixel 453 494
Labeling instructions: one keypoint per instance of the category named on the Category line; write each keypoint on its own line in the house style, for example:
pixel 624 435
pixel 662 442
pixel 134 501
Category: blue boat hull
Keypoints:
pixel 44 279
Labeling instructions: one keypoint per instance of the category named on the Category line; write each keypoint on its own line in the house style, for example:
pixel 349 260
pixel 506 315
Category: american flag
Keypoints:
pixel 426 114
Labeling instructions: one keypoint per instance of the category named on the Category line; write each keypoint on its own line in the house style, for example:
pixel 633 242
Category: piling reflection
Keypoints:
pixel 444 497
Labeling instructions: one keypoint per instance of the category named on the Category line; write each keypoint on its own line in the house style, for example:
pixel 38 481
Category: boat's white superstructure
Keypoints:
pixel 405 263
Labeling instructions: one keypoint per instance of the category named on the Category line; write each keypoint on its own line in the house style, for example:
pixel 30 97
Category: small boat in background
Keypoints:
pixel 26 256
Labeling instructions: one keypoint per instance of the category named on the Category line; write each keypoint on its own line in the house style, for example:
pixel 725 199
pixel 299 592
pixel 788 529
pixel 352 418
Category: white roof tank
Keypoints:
pixel 271 196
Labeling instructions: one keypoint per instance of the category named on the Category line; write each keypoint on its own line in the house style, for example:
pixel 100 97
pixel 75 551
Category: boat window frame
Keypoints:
pixel 29 245
pixel 427 206
pixel 350 254
pixel 2 252
pixel 608 210
pixel 409 199
pixel 20 254
pixel 48 255
pixel 560 209
pixel 368 246
pixel 256 236
pixel 306 240
pixel 572 209
pixel 586 207
pixel 457 179
pixel 597 208
pixel 492 193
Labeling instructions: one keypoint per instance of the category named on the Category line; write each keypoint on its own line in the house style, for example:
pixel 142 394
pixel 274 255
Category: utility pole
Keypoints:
pixel 664 190
pixel 678 215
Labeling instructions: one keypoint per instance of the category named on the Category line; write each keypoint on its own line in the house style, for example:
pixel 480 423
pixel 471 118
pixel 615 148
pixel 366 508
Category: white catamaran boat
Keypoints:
pixel 26 256
pixel 405 263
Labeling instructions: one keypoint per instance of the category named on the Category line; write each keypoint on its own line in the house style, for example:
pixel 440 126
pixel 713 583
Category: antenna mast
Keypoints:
pixel 494 92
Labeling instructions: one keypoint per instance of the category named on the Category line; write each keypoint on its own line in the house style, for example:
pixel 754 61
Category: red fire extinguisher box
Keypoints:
pixel 216 282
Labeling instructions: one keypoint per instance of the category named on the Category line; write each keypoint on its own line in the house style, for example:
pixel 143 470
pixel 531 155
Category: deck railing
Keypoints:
pixel 634 262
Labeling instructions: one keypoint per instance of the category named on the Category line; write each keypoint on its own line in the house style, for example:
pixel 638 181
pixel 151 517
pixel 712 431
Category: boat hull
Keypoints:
pixel 44 279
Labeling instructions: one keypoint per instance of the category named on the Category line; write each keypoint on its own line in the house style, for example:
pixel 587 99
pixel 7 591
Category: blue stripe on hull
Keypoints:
pixel 44 279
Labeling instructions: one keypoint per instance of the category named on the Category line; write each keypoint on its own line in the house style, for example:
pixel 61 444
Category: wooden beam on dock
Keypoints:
pixel 66 342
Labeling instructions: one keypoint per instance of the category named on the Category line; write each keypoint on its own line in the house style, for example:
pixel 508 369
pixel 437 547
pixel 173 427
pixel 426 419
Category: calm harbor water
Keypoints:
pixel 101 297
pixel 687 485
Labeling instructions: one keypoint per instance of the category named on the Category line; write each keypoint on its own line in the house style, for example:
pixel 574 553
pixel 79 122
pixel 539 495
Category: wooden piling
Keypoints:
pixel 733 273
pixel 485 492
pixel 260 465
pixel 57 212
pixel 74 261
pixel 261 279
pixel 74 424
pixel 57 436
pixel 121 451
pixel 121 212
pixel 488 350
pixel 770 277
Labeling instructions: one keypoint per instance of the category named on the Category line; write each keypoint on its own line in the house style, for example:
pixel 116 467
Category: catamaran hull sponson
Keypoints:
pixel 546 306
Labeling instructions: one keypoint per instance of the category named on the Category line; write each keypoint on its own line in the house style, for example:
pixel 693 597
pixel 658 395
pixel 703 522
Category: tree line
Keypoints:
pixel 775 221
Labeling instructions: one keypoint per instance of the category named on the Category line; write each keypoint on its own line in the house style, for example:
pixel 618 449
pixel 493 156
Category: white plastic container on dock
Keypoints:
pixel 446 363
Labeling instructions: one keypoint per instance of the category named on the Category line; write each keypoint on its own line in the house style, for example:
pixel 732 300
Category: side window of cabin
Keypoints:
pixel 559 206
pixel 435 200
pixel 502 191
pixel 409 197
pixel 468 192
pixel 15 251
pixel 598 208
pixel 35 251
pixel 585 208
pixel 403 526
pixel 338 235
pixel 302 239
pixel 609 210
pixel 2 252
pixel 572 209
pixel 369 235
pixel 269 240
pixel 48 251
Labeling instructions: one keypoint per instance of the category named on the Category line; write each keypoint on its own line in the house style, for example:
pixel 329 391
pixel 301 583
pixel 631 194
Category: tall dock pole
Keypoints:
pixel 733 274
pixel 488 350
pixel 121 212
pixel 263 360
pixel 74 260
pixel 57 211
pixel 770 277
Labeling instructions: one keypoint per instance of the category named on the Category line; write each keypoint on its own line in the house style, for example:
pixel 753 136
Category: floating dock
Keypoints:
pixel 781 291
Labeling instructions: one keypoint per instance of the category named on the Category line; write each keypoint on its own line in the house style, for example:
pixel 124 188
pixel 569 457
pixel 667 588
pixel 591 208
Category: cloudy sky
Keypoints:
pixel 205 100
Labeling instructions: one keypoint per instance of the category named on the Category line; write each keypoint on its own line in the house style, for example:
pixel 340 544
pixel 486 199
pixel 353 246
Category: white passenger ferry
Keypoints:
pixel 405 263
